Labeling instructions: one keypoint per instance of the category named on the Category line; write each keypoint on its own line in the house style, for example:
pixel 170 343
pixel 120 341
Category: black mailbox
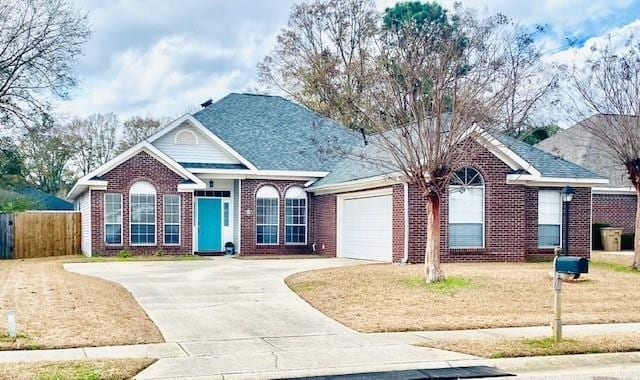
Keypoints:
pixel 572 265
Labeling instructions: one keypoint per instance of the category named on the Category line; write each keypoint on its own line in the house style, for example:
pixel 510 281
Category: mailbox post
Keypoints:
pixel 564 265
pixel 556 324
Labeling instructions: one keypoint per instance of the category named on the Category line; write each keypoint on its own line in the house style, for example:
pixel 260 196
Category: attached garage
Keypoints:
pixel 365 225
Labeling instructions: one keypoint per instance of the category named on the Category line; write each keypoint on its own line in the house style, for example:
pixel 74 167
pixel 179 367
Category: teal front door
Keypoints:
pixel 209 224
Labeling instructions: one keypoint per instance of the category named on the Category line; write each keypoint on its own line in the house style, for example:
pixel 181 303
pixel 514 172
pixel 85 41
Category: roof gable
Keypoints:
pixel 93 178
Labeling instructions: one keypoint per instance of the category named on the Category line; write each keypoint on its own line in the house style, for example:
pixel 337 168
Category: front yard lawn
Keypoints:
pixel 386 297
pixel 75 370
pixel 516 347
pixel 56 308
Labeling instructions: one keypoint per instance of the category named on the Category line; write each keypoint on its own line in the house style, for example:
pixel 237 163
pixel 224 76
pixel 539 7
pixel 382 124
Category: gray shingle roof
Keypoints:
pixel 350 169
pixel 274 133
pixel 578 145
pixel 546 163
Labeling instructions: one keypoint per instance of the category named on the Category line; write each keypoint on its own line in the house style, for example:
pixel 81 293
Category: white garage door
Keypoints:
pixel 366 228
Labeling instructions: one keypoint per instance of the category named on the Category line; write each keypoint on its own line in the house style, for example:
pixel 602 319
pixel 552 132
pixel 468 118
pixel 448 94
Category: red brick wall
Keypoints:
pixel 141 167
pixel 398 222
pixel 504 218
pixel 325 224
pixel 617 210
pixel 248 245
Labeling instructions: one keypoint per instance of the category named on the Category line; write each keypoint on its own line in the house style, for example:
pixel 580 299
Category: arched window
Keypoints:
pixel 186 137
pixel 466 209
pixel 295 216
pixel 142 213
pixel 267 215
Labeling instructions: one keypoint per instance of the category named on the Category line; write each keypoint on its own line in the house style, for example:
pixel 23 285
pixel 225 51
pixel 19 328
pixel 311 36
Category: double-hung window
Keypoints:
pixel 171 207
pixel 295 216
pixel 267 215
pixel 466 209
pixel 142 214
pixel 549 218
pixel 113 219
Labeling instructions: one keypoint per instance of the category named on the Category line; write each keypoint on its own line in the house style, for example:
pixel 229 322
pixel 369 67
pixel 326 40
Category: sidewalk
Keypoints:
pixel 327 354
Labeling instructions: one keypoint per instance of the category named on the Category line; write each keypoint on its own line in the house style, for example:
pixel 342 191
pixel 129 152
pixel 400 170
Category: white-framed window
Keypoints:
pixel 267 215
pixel 225 214
pixel 171 218
pixel 113 218
pixel 142 214
pixel 466 209
pixel 295 216
pixel 549 218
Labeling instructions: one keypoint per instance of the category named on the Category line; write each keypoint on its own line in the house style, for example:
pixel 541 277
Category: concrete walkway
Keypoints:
pixel 337 354
pixel 229 318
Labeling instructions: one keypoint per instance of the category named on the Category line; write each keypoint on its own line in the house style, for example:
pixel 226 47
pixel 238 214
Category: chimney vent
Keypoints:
pixel 206 103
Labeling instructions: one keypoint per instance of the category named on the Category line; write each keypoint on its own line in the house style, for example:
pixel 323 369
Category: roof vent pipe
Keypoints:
pixel 206 103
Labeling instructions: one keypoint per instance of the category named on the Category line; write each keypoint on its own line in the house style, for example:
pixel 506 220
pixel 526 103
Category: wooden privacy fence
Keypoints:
pixel 39 234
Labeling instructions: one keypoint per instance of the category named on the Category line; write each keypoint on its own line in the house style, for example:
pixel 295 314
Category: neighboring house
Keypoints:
pixel 614 203
pixel 258 171
pixel 35 199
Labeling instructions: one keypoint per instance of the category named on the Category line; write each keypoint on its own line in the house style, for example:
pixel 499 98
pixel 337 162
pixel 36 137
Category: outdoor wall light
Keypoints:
pixel 567 194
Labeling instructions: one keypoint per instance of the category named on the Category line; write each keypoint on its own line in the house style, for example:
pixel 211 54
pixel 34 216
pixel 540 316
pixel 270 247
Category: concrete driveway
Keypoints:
pixel 238 318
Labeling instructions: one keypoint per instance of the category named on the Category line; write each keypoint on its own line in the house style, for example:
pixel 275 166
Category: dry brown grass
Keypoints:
pixel 516 347
pixel 75 370
pixel 57 309
pixel 386 297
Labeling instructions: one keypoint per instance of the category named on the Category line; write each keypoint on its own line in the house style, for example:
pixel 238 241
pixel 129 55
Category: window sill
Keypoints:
pixel 468 251
pixel 144 245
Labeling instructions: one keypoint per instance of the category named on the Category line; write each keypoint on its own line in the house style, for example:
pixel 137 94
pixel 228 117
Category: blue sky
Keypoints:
pixel 163 58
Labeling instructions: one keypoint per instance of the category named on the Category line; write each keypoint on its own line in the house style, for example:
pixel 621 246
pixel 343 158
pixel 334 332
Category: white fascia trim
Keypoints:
pixel 614 190
pixel 531 180
pixel 360 184
pixel 505 154
pixel 206 132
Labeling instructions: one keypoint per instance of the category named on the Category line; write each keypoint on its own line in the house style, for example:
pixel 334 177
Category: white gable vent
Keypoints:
pixel 186 137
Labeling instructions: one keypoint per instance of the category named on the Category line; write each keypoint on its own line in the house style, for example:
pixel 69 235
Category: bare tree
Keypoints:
pixel 439 86
pixel 323 57
pixel 137 129
pixel 608 85
pixel 39 43
pixel 46 154
pixel 93 140
pixel 533 83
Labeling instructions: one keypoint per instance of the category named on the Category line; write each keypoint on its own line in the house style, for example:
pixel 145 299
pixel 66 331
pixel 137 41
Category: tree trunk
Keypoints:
pixel 432 270
pixel 636 256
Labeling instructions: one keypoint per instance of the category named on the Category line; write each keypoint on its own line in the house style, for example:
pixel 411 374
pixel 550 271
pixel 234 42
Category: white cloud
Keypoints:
pixel 153 57
pixel 617 37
